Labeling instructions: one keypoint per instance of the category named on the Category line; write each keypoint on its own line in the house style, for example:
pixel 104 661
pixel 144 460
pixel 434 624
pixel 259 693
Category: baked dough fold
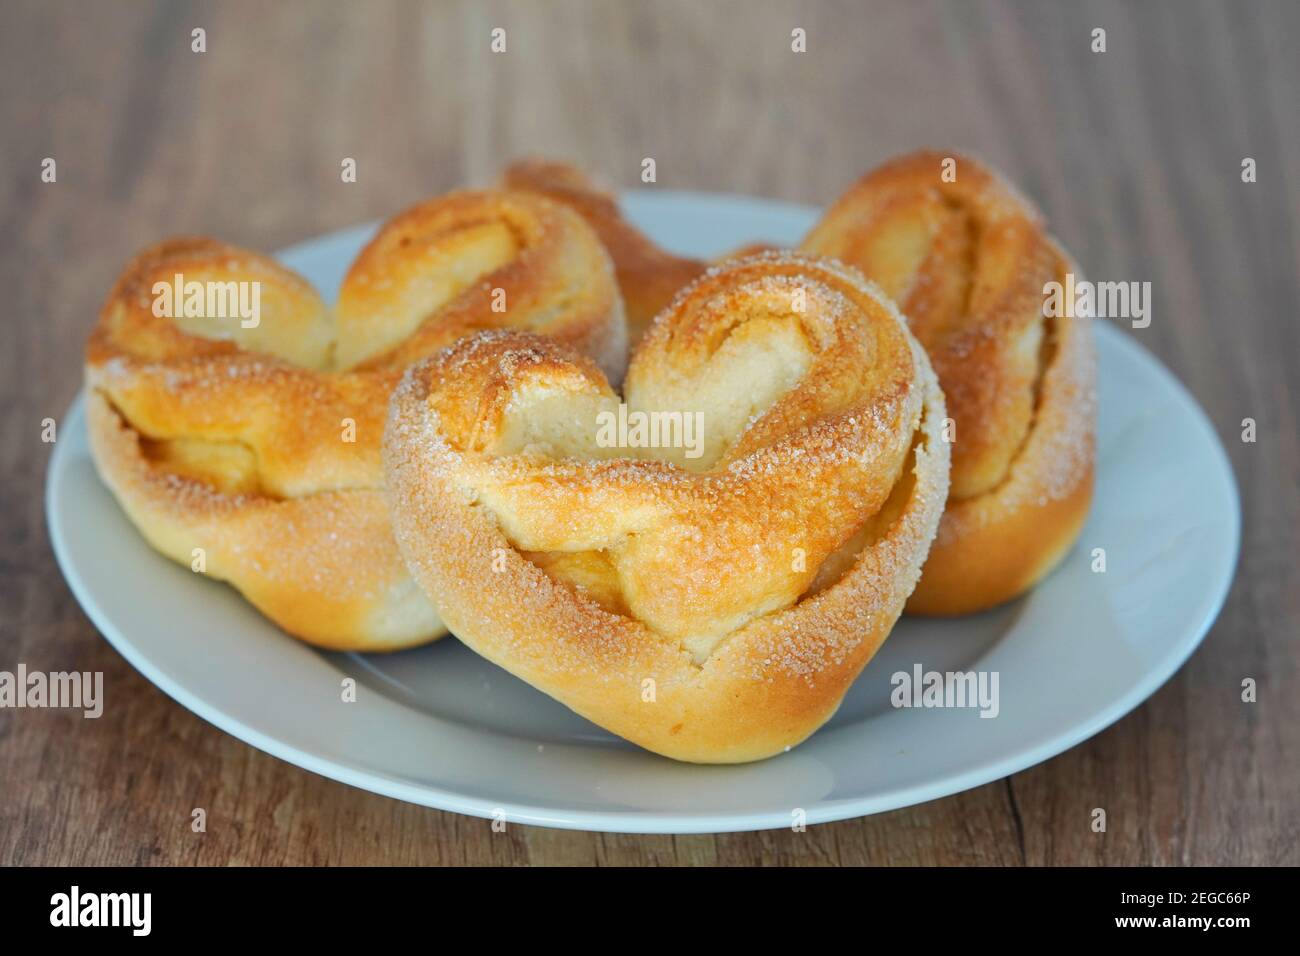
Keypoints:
pixel 248 445
pixel 968 262
pixel 710 602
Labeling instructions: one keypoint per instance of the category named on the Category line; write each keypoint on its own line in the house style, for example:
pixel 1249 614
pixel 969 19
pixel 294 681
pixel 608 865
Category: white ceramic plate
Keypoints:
pixel 441 727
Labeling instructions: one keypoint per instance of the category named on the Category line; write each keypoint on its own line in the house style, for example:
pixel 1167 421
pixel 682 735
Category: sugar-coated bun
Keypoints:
pixel 708 599
pixel 968 261
pixel 248 446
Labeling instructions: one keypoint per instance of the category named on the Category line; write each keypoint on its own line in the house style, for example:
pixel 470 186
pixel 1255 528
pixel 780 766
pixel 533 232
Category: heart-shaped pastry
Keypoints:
pixel 238 419
pixel 969 263
pixel 704 565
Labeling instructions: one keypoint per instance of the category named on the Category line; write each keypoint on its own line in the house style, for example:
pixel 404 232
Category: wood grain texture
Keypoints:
pixel 1134 154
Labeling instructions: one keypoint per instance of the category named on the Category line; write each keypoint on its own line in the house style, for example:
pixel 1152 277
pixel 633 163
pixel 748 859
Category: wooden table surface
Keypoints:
pixel 1135 155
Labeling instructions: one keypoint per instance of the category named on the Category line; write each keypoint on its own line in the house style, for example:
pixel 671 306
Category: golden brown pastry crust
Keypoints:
pixel 261 445
pixel 967 262
pixel 648 276
pixel 715 609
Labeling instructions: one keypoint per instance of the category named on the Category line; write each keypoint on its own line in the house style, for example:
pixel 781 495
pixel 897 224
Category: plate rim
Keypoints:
pixel 671 822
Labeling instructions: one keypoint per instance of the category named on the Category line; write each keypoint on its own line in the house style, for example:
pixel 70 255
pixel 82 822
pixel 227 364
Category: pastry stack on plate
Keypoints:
pixel 689 500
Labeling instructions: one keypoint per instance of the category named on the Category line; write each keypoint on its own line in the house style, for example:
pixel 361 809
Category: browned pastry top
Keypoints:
pixel 256 439
pixel 967 262
pixel 648 276
pixel 279 390
pixel 750 583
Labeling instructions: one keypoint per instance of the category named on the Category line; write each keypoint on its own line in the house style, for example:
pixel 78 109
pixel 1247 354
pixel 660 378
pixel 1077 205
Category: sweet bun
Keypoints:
pixel 968 262
pixel 710 601
pixel 248 445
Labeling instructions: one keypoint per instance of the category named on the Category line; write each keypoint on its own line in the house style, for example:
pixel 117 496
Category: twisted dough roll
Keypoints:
pixel 260 445
pixel 648 276
pixel 711 608
pixel 967 263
